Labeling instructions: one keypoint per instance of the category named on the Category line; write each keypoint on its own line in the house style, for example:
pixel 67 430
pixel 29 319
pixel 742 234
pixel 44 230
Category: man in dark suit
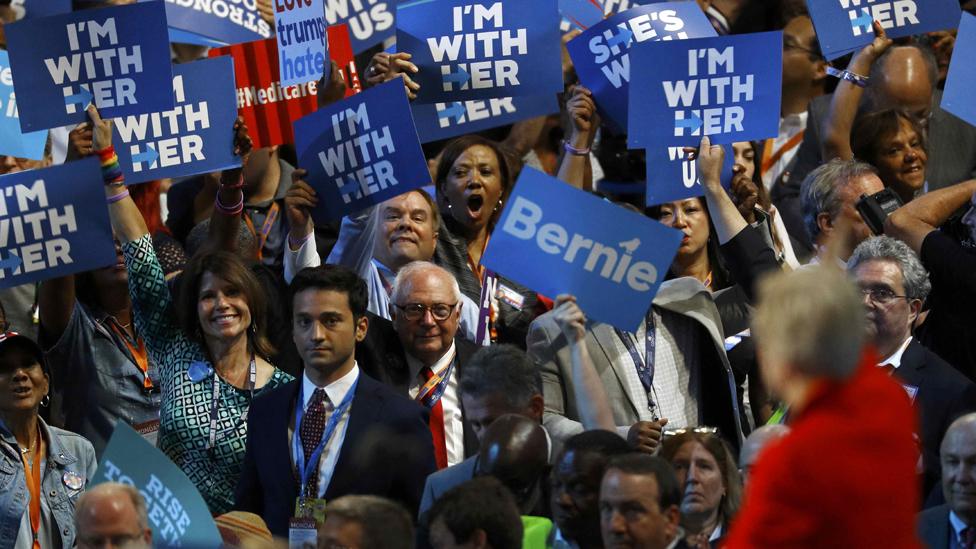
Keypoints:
pixel 895 284
pixel 421 355
pixel 901 78
pixel 953 525
pixel 338 431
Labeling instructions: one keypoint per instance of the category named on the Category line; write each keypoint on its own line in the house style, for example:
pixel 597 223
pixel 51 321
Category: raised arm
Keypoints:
pixel 225 220
pixel 724 213
pixel 575 167
pixel 300 251
pixel 836 140
pixel 916 219
pixel 591 398
pixel 127 221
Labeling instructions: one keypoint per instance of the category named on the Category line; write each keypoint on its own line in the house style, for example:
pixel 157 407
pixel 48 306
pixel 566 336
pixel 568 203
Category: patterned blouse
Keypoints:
pixel 184 432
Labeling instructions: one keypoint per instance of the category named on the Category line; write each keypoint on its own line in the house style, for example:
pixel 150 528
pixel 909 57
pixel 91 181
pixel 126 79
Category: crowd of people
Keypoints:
pixel 803 378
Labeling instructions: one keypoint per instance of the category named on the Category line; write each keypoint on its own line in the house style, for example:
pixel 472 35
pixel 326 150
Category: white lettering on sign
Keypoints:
pixel 356 162
pixel 29 230
pixel 689 171
pixel 366 17
pixel 253 95
pixel 169 519
pixel 888 13
pixel 552 238
pixel 473 111
pixel 610 49
pixel 710 89
pixel 242 13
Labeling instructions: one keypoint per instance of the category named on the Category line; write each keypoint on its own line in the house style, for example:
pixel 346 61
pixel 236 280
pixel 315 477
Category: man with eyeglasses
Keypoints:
pixel 112 513
pixel 895 284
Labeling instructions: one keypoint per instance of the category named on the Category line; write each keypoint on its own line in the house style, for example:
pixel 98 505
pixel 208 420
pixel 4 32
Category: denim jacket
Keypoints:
pixel 66 451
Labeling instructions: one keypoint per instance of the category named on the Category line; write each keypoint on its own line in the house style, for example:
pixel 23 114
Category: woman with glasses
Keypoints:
pixel 213 356
pixel 710 482
pixel 43 469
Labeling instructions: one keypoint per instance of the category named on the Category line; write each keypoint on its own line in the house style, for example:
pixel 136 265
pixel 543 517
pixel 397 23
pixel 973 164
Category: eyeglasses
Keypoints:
pixel 121 540
pixel 881 296
pixel 416 311
pixel 791 46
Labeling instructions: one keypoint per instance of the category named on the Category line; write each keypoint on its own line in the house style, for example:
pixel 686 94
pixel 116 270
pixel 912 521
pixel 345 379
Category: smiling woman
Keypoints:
pixel 893 142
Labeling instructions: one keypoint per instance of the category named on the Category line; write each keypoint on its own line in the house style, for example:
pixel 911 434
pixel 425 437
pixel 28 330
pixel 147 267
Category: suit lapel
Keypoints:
pixel 911 371
pixel 605 337
pixel 280 423
pixel 365 408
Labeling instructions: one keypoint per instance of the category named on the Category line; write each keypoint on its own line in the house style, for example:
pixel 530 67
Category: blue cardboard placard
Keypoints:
pixel 178 516
pixel 844 26
pixel 361 151
pixel 671 176
pixel 186 37
pixel 727 87
pixel 601 54
pixel 117 58
pixel 225 22
pixel 582 14
pixel 302 47
pixel 958 95
pixel 53 222
pixel 14 142
pixel 481 49
pixel 437 121
pixel 196 136
pixel 613 260
pixel 44 8
pixel 370 21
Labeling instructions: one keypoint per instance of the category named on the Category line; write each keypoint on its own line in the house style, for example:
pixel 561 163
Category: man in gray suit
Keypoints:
pixel 953 525
pixel 687 381
pixel 903 77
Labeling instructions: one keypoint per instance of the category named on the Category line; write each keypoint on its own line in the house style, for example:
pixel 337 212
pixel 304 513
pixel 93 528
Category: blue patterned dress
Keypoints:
pixel 184 429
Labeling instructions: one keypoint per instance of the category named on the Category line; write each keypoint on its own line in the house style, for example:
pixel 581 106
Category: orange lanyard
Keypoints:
pixel 139 353
pixel 770 158
pixel 477 268
pixel 32 476
pixel 266 227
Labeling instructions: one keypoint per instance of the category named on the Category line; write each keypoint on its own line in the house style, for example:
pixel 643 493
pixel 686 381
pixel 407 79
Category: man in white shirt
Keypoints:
pixel 336 430
pixel 895 284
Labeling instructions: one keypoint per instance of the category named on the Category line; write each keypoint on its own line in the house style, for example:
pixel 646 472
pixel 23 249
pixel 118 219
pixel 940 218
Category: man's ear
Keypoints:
pixel 673 515
pixel 478 539
pixel 914 309
pixel 362 325
pixel 825 224
pixel 820 70
pixel 537 406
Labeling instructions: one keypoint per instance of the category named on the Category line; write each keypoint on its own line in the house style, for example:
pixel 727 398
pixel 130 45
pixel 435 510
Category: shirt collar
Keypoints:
pixel 895 358
pixel 336 391
pixel 957 525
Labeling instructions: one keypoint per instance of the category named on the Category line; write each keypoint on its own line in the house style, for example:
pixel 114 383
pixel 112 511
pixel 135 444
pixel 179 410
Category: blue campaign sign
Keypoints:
pixel 195 136
pixel 481 49
pixel 601 54
pixel 361 151
pixel 14 142
pixel 958 95
pixel 437 121
pixel 671 176
pixel 302 47
pixel 117 58
pixel 227 22
pixel 370 21
pixel 53 222
pixel 613 260
pixel 44 8
pixel 582 14
pixel 178 516
pixel 844 26
pixel 727 87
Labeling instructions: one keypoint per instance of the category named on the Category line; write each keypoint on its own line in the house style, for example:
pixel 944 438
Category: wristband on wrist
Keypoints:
pixel 574 151
pixel 111 171
pixel 115 198
pixel 229 210
pixel 853 78
pixel 298 243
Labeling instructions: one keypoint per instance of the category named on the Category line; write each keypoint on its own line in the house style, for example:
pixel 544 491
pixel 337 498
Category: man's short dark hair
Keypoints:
pixel 334 278
pixel 504 370
pixel 385 524
pixel 599 441
pixel 669 492
pixel 484 504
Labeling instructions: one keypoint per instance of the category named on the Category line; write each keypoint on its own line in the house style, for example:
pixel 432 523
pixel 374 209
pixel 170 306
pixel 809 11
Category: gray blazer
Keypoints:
pixel 684 296
pixel 445 479
pixel 934 527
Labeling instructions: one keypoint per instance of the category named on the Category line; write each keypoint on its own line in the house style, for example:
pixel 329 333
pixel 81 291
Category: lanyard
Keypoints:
pixel 305 469
pixel 138 353
pixel 269 221
pixel 33 479
pixel 434 388
pixel 486 311
pixel 215 403
pixel 644 366
pixel 770 158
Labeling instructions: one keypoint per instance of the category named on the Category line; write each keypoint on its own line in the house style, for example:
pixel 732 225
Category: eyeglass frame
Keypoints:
pixel 869 292
pixel 423 309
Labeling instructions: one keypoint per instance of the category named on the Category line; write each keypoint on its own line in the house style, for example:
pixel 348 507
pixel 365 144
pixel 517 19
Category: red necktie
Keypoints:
pixel 437 425
pixel 313 425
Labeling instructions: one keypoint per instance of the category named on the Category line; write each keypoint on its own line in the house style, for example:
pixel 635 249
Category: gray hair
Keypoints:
pixel 812 319
pixel 404 278
pixel 885 248
pixel 384 523
pixel 114 488
pixel 503 370
pixel 818 192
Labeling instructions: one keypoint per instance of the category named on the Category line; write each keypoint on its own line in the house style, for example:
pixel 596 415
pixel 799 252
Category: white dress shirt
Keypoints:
pixel 336 391
pixel 895 358
pixel 450 402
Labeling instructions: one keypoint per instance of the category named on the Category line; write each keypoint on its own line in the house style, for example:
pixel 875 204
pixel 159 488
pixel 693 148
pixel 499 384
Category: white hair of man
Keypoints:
pixel 406 274
pixel 108 489
pixel 812 319
pixel 884 248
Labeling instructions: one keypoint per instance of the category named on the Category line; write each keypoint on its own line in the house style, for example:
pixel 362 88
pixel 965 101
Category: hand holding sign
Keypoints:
pixel 80 142
pixel 335 89
pixel 745 195
pixel 102 129
pixel 582 111
pixel 570 318
pixel 300 200
pixel 387 66
pixel 861 63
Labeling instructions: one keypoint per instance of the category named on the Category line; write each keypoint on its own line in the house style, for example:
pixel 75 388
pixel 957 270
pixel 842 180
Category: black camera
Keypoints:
pixel 875 208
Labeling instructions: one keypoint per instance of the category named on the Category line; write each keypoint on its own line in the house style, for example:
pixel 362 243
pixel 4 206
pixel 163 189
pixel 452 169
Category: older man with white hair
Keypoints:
pixel 112 513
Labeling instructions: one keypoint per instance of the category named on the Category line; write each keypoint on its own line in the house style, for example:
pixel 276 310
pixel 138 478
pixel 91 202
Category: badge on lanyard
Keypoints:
pixel 149 430
pixel 510 296
pixel 302 533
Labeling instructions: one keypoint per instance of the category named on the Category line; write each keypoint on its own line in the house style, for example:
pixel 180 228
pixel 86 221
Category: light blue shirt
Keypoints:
pixel 335 391
pixel 957 527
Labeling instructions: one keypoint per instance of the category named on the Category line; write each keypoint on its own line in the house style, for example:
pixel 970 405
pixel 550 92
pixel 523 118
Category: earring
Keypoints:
pixel 46 401
pixel 254 328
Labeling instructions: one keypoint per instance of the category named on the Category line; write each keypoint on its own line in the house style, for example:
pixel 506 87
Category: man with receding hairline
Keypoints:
pixel 954 524
pixel 112 512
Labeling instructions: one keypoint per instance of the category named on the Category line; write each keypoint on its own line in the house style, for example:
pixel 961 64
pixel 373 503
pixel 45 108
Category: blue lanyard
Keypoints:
pixel 305 469
pixel 645 367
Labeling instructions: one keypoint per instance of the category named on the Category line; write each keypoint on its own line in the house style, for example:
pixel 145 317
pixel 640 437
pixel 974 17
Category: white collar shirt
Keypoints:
pixel 336 392
pixel 450 402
